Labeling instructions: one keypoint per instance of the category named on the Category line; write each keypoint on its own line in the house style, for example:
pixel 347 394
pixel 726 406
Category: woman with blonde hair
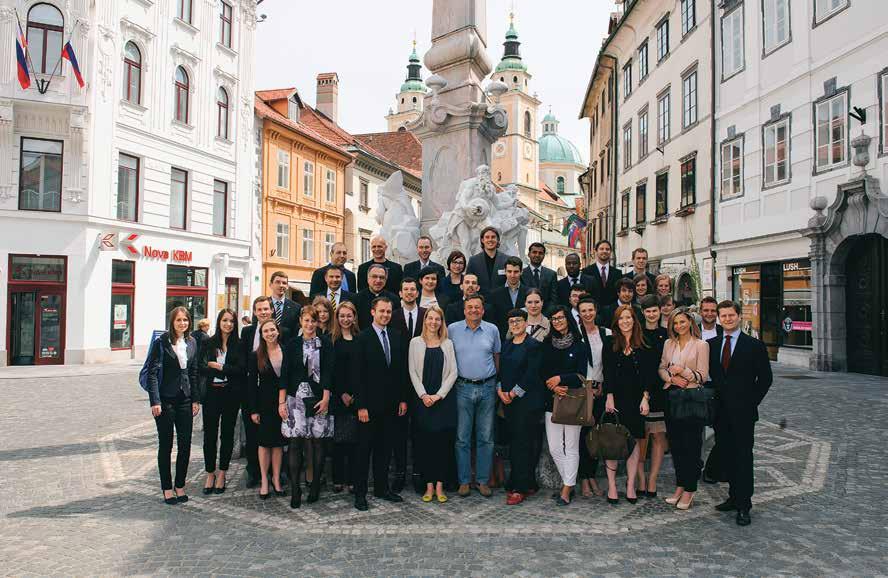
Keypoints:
pixel 345 329
pixel 432 367
pixel 325 314
pixel 684 365
pixel 663 285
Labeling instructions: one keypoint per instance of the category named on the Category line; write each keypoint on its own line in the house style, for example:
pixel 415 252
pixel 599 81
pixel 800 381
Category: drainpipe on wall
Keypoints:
pixel 613 172
pixel 714 153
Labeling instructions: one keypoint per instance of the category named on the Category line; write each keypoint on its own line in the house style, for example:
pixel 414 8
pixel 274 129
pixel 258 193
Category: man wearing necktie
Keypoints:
pixel 286 311
pixel 574 278
pixel 604 275
pixel 541 277
pixel 741 373
pixel 335 292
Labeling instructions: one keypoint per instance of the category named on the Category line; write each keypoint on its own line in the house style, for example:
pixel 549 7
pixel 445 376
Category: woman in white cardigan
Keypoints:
pixel 432 366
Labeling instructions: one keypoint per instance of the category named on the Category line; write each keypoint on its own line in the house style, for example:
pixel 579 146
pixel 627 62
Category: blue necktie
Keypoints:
pixel 385 347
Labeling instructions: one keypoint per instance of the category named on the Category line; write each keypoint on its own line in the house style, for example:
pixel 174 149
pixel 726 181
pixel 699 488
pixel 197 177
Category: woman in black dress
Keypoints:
pixel 655 337
pixel 630 370
pixel 222 370
pixel 451 283
pixel 345 328
pixel 266 409
pixel 432 367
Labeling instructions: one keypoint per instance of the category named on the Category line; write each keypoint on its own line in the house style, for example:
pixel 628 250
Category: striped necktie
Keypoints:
pixel 333 299
pixel 278 311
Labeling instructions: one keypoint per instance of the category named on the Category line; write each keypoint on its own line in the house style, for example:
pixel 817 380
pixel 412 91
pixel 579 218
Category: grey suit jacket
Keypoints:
pixel 478 266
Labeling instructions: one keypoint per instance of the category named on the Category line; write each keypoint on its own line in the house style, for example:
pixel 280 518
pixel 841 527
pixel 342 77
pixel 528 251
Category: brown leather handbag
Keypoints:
pixel 575 407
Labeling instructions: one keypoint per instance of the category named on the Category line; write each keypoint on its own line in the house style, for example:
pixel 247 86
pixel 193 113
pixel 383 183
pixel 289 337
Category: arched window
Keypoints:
pixel 502 79
pixel 222 114
pixel 528 123
pixel 182 87
pixel 132 73
pixel 402 101
pixel 414 100
pixel 45 29
pixel 559 185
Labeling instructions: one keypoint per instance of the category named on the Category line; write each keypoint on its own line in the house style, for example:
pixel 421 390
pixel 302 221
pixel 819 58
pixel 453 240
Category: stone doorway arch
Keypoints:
pixel 859 210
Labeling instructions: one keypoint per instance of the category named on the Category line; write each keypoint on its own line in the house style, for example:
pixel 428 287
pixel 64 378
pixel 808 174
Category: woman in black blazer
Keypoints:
pixel 266 410
pixel 222 369
pixel 563 367
pixel 173 393
pixel 306 385
pixel 345 330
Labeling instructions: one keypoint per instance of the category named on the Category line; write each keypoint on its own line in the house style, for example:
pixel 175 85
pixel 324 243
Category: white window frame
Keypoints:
pixel 627 145
pixel 220 216
pixel 308 179
pixel 770 132
pixel 823 9
pixel 689 99
pixel 733 43
pixel 643 131
pixel 330 184
pixel 282 241
pixel 664 110
pixel 688 16
pixel 308 245
pixel 842 159
pixel 329 241
pixel 283 169
pixel 771 35
pixel 732 168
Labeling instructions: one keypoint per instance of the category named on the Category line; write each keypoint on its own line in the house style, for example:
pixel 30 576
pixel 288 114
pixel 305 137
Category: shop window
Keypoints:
pixel 123 289
pixel 27 268
pixel 187 287
pixel 40 175
pixel 747 292
pixel 796 313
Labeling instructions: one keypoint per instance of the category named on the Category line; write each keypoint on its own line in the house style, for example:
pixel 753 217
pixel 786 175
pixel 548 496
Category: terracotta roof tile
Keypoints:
pixel 263 110
pixel 276 94
pixel 401 146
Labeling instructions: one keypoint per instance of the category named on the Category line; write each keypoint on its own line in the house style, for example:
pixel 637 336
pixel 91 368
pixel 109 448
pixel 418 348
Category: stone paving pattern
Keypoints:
pixel 80 496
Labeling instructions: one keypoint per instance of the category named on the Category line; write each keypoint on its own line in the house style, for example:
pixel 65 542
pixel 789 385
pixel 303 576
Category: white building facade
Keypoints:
pixel 135 193
pixel 789 75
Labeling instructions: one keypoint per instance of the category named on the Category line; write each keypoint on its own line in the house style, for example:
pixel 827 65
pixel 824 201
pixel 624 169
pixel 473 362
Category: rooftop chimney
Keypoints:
pixel 328 94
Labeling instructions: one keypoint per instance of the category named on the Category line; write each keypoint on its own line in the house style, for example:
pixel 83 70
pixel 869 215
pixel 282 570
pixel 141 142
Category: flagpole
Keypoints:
pixel 27 48
pixel 43 85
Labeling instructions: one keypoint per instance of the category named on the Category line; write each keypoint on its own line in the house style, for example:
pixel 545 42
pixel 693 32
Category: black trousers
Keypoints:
pixel 402 431
pixel 344 463
pixel 715 468
pixel 175 414
pixel 251 433
pixel 220 406
pixel 522 427
pixel 737 436
pixel 432 452
pixel 374 439
pixel 686 444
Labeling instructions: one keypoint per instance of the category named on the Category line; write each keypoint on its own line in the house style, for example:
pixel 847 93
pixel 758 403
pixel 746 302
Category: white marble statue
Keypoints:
pixel 511 221
pixel 398 223
pixel 474 208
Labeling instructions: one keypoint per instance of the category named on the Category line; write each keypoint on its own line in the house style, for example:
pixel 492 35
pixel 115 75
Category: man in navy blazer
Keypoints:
pixel 639 267
pixel 424 250
pixel 574 278
pixel 541 277
pixel 334 291
pixel 284 310
pixel 604 276
pixel 489 266
pixel 741 374
pixel 338 257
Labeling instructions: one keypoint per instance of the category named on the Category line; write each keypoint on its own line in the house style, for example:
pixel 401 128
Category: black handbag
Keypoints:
pixel 610 441
pixel 696 404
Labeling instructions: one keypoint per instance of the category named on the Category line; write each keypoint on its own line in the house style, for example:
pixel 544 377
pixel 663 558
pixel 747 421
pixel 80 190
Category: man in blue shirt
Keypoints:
pixel 477 346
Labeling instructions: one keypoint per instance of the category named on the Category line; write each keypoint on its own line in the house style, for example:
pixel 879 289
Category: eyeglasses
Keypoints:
pixel 559 318
pixel 516 321
pixel 458 263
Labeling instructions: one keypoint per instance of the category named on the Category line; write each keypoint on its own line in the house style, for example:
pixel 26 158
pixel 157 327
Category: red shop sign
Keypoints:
pixel 175 255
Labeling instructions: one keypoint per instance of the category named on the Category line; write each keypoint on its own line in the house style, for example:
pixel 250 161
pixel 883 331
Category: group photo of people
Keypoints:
pixel 464 377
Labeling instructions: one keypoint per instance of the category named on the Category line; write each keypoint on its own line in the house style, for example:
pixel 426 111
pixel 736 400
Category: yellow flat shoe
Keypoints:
pixel 442 498
pixel 427 498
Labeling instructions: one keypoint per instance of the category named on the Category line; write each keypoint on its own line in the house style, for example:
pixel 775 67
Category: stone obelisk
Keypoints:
pixel 459 122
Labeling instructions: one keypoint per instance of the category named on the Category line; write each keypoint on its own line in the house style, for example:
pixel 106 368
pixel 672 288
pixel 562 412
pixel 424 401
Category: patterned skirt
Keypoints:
pixel 299 426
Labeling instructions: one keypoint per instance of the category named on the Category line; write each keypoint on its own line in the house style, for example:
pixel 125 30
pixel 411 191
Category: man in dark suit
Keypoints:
pixel 286 311
pixel 378 247
pixel 574 278
pixel 488 265
pixel 338 257
pixel 376 277
pixel 741 373
pixel 511 296
pixel 714 471
pixel 334 291
pixel 424 250
pixel 639 267
pixel 381 392
pixel 604 276
pixel 456 311
pixel 543 278
pixel 625 296
pixel 249 341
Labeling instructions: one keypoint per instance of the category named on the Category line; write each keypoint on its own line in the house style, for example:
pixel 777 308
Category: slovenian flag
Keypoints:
pixel 68 54
pixel 573 228
pixel 21 44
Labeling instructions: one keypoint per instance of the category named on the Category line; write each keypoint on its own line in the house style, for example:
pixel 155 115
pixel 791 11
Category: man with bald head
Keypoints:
pixel 378 247
pixel 338 257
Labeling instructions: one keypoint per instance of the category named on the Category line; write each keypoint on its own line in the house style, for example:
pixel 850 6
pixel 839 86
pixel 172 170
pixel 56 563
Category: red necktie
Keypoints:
pixel 726 353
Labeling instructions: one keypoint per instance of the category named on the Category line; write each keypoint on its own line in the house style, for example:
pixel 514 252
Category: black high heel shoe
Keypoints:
pixel 632 500
pixel 171 501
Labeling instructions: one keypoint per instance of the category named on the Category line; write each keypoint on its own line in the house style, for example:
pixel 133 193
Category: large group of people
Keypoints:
pixel 435 367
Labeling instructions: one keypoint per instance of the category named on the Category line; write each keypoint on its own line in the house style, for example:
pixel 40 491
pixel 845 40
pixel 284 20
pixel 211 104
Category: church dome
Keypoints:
pixel 555 148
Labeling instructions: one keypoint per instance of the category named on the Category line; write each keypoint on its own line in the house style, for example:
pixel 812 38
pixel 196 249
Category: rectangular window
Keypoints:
pixel 732 43
pixel 127 188
pixel 40 175
pixel 663 119
pixel 187 287
pixel 308 179
pixel 883 80
pixel 640 203
pixel 183 10
pixel 282 241
pixel 643 134
pixel 689 182
pixel 624 211
pixel 329 241
pixel 123 291
pixel 307 245
pixel 831 131
pixel 178 198
pixel 627 146
pixel 689 100
pixel 643 61
pixel 627 80
pixel 688 16
pixel 776 142
pixel 663 40
pixel 365 249
pixel 225 24
pixel 776 22
pixel 293 110
pixel 797 303
pixel 826 8
pixel 331 186
pixel 662 196
pixel 732 169
pixel 283 172
pixel 220 207
pixel 364 194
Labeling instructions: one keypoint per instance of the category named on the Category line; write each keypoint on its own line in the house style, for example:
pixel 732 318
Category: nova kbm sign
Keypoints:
pixel 111 241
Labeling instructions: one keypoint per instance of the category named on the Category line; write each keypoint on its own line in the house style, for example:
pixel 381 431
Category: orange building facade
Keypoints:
pixel 302 175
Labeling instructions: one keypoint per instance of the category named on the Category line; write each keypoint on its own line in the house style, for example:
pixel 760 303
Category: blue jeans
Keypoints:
pixel 475 410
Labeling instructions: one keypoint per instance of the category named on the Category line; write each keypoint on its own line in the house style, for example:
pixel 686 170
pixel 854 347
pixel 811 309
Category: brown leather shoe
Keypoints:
pixel 463 490
pixel 485 490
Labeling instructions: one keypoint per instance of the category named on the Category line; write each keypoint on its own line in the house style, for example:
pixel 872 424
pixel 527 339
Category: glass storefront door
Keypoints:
pixel 23 327
pixel 37 325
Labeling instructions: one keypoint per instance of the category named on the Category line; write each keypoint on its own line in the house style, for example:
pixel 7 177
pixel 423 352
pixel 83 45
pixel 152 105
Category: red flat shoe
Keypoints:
pixel 514 499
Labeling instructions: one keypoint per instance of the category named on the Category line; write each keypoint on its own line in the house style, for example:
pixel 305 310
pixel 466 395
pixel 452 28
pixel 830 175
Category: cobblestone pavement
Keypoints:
pixel 79 496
